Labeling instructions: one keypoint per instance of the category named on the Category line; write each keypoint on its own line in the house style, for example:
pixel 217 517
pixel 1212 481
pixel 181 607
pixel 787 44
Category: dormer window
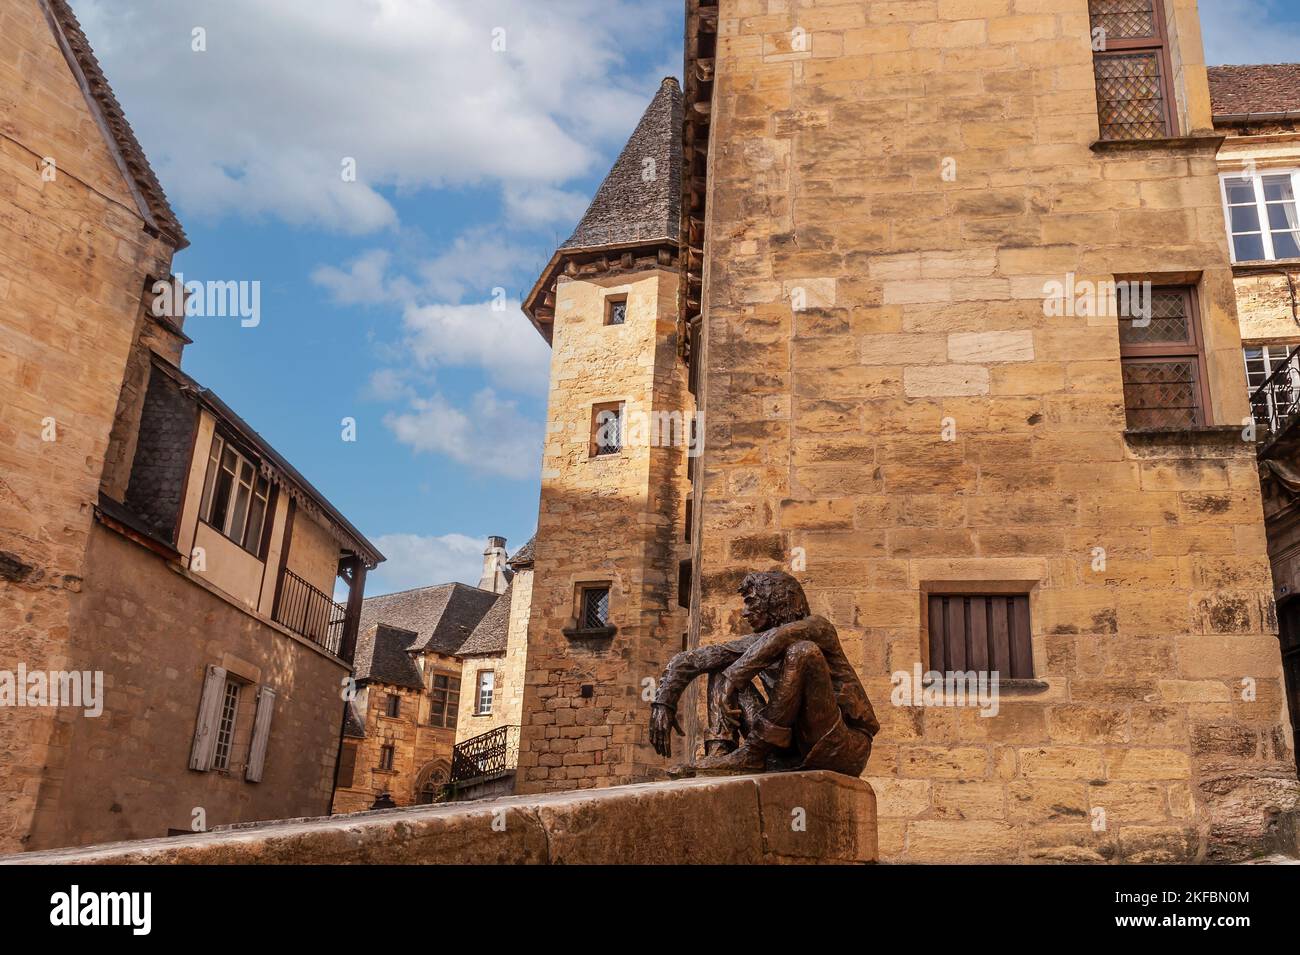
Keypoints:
pixel 235 495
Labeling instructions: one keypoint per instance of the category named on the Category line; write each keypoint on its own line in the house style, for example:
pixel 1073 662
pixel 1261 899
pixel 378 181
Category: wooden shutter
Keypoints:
pixel 347 766
pixel 261 734
pixel 205 730
pixel 986 632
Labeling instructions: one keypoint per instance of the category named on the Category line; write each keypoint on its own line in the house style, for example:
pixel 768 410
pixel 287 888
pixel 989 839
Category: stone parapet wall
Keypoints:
pixel 782 818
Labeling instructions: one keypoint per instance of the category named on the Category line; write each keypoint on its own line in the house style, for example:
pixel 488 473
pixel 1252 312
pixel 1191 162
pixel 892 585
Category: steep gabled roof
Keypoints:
pixel 490 634
pixel 382 656
pixel 523 556
pixel 640 199
pixel 1255 90
pixel 441 617
pixel 100 98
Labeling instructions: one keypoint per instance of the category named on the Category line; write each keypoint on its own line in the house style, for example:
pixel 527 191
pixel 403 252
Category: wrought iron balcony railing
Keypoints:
pixel 309 612
pixel 1276 403
pixel 489 754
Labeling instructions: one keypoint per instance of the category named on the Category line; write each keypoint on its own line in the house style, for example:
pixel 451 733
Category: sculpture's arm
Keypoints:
pixel 769 647
pixel 689 664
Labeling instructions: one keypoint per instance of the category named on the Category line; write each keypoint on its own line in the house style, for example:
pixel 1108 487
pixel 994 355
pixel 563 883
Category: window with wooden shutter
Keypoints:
pixel 1132 70
pixel 1163 359
pixel 204 747
pixel 981 633
pixel 261 734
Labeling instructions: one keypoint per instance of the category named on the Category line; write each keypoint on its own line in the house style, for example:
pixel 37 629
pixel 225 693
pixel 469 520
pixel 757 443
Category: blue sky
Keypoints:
pixel 472 163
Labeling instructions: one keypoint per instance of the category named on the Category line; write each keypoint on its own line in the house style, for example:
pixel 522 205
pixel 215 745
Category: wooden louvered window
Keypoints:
pixel 981 633
pixel 1163 363
pixel 1132 70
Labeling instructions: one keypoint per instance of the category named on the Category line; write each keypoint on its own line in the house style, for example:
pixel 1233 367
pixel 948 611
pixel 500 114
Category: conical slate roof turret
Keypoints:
pixel 640 199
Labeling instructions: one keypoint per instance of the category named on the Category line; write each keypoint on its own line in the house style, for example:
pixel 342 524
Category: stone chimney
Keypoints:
pixel 494 566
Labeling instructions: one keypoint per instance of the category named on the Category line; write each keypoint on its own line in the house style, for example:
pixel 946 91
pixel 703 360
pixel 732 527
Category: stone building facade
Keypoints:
pixel 905 237
pixel 1257 108
pixel 218 654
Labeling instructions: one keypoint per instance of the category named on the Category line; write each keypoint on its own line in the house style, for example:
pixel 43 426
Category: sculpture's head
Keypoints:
pixel 772 599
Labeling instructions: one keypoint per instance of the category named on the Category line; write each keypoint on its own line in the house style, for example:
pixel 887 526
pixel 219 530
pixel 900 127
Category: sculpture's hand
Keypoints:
pixel 663 720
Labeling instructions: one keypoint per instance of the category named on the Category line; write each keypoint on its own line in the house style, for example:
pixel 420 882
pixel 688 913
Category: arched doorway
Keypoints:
pixel 430 780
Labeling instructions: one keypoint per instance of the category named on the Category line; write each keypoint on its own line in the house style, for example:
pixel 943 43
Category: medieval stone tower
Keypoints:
pixel 605 603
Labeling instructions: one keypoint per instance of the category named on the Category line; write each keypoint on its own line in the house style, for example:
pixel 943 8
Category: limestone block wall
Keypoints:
pixel 861 306
pixel 615 519
pixel 152 633
pixel 73 260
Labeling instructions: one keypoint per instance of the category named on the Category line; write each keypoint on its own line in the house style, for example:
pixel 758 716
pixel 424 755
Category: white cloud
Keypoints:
pixel 489 436
pixel 543 205
pixel 500 341
pixel 475 262
pixel 260 123
pixel 365 281
pixel 1248 31
pixel 416 560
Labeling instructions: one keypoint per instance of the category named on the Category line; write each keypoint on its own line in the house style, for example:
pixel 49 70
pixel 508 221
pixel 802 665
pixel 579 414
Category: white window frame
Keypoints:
pixel 483 696
pixel 1274 357
pixel 1261 208
pixel 258 491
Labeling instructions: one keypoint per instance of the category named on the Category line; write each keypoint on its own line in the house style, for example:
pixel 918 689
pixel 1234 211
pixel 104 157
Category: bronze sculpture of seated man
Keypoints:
pixel 813 712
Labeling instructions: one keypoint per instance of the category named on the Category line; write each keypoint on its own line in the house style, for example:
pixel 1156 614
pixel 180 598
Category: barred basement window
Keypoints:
pixel 226 726
pixel 981 633
pixel 1132 71
pixel 594 608
pixel 1163 363
pixel 616 310
pixel 444 700
pixel 607 428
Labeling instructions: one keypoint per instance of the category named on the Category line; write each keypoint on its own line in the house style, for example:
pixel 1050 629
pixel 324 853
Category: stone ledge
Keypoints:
pixel 815 817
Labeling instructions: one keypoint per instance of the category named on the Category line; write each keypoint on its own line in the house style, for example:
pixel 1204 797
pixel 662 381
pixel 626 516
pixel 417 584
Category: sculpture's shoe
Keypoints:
pixel 681 771
pixel 747 759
